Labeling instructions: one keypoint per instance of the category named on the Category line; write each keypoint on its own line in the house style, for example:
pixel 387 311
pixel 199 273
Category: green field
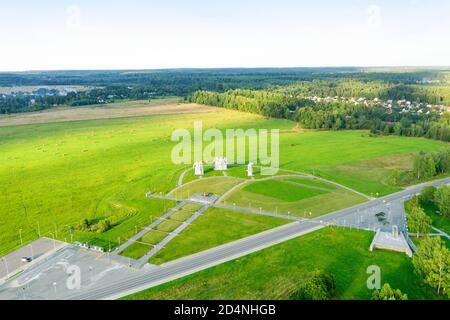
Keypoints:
pixel 282 190
pixel 136 250
pixel 215 227
pixel 217 185
pixel 352 158
pixel 293 196
pixel 56 174
pixel 276 272
pixel 438 221
pixel 312 183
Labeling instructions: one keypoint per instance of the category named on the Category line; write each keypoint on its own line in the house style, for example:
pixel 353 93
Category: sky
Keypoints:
pixel 151 34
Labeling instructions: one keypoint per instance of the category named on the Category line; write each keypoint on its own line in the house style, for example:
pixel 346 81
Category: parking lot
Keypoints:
pixel 56 277
pixel 37 250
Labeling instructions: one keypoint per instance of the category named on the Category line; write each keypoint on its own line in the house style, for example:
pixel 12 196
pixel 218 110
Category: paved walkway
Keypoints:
pixel 441 233
pixel 144 259
pixel 115 255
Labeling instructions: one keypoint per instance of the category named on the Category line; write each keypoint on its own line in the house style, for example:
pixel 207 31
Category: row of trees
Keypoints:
pixel 286 102
pixel 432 127
pixel 432 263
pixel 416 218
pixel 428 165
pixel 439 197
pixel 432 258
pixel 369 88
pixel 36 102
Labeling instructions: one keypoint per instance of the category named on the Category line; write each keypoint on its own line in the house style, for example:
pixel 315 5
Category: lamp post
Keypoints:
pixel 54 240
pixel 6 266
pixel 56 231
pixel 20 236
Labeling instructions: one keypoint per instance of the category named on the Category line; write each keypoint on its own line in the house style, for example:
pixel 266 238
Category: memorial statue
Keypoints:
pixel 250 169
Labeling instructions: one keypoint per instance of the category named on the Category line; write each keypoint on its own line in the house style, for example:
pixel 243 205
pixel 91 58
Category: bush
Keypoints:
pixel 99 227
pixel 320 286
pixel 427 194
pixel 387 293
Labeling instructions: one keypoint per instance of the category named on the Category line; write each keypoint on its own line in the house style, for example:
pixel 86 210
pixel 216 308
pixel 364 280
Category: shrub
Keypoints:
pixel 387 293
pixel 427 194
pixel 320 286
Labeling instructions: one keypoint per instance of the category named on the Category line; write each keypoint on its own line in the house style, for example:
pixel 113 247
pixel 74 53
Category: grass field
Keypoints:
pixel 276 272
pixel 217 185
pixel 352 158
pixel 438 221
pixel 213 228
pixel 54 175
pixel 136 250
pixel 282 190
pixel 294 196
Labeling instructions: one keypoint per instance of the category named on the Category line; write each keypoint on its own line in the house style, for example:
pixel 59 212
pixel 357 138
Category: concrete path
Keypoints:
pixel 140 234
pixel 181 177
pixel 441 233
pixel 144 259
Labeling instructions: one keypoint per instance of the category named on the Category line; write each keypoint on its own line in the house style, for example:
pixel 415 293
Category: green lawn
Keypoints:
pixel 293 196
pixel 136 250
pixel 185 212
pixel 153 237
pixel 56 174
pixel 438 221
pixel 353 158
pixel 215 227
pixel 312 183
pixel 217 185
pixel 282 190
pixel 168 226
pixel 276 272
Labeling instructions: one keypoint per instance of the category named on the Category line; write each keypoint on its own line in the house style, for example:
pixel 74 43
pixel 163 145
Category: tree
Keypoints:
pixel 414 201
pixel 432 262
pixel 427 194
pixel 418 221
pixel 442 200
pixel 424 166
pixel 387 293
pixel 320 286
pixel 442 160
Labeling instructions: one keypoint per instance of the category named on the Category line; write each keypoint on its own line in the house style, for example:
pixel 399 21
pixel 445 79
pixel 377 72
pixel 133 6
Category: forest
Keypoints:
pixel 276 92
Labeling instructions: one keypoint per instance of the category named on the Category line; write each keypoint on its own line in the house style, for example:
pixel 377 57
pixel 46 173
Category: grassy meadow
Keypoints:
pixel 293 196
pixel 54 175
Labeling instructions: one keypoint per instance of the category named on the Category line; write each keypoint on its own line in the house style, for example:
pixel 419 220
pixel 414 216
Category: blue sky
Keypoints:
pixel 138 34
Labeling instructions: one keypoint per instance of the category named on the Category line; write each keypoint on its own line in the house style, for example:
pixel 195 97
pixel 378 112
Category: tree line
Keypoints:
pixel 335 115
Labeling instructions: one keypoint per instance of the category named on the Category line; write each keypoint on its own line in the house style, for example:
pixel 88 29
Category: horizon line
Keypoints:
pixel 233 68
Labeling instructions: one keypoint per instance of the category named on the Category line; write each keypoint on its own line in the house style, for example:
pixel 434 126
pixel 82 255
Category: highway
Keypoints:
pixel 191 264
